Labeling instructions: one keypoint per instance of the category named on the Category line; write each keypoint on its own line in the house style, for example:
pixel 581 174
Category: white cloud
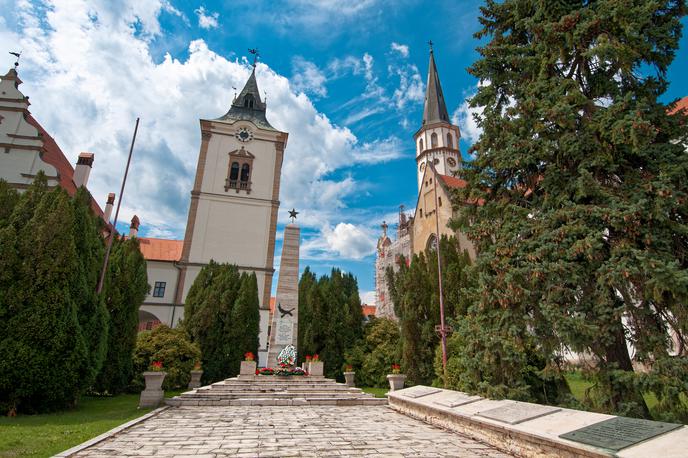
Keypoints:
pixel 403 50
pixel 345 240
pixel 207 19
pixel 307 77
pixel 89 71
pixel 464 117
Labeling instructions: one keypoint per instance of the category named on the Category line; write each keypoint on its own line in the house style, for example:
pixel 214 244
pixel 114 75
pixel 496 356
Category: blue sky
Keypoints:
pixel 345 79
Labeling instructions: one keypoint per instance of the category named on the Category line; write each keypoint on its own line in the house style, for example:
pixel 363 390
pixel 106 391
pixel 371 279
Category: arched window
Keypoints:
pixel 431 245
pixel 234 172
pixel 450 141
pixel 420 145
pixel 433 140
pixel 249 101
pixel 245 172
pixel 421 212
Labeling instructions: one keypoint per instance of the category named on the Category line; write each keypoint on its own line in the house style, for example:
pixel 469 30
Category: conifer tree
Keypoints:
pixel 125 290
pixel 245 318
pixel 43 351
pixel 583 174
pixel 8 199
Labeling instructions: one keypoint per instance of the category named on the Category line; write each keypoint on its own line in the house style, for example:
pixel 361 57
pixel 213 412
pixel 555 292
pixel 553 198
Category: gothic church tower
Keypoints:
pixel 235 197
pixel 437 140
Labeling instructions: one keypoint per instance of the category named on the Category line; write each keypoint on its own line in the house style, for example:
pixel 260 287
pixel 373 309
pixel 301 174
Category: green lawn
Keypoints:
pixel 377 392
pixel 47 434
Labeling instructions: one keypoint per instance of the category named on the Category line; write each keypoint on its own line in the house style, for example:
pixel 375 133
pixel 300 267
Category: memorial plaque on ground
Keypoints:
pixel 456 399
pixel 518 412
pixel 417 392
pixel 619 433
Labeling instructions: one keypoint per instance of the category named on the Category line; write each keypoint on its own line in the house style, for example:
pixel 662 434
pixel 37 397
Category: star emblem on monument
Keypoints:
pixel 292 214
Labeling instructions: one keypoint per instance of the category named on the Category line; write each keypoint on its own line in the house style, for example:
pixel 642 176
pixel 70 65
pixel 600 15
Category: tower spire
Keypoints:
pixel 435 109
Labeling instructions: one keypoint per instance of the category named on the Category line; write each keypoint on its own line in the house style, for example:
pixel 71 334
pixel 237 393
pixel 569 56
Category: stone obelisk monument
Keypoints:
pixel 285 320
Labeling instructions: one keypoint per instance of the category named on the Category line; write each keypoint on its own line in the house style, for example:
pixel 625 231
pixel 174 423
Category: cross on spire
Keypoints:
pixel 430 43
pixel 17 55
pixel 255 53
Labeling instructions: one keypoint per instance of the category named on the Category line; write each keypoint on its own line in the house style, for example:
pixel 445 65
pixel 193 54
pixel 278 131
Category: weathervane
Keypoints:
pixel 17 55
pixel 255 53
pixel 292 215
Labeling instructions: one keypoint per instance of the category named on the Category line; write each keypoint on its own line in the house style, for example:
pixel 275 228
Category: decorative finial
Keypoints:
pixel 292 214
pixel 235 93
pixel 384 228
pixel 255 53
pixel 17 55
pixel 430 44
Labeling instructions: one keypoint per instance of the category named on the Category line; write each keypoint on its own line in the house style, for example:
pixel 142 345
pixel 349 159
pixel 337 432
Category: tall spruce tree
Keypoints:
pixel 126 287
pixel 584 177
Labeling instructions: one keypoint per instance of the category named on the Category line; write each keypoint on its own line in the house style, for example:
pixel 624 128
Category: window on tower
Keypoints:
pixel 245 175
pixel 239 173
pixel 420 145
pixel 450 141
pixel 249 101
pixel 433 140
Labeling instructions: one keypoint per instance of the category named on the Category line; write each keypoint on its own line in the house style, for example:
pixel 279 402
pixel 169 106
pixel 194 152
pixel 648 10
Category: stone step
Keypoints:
pixel 278 388
pixel 188 402
pixel 212 395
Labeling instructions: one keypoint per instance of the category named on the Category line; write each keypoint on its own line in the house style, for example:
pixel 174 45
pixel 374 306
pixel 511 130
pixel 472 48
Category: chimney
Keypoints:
pixel 134 228
pixel 108 206
pixel 83 169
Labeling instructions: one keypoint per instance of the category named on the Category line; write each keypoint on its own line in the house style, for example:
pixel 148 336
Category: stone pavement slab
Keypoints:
pixel 282 432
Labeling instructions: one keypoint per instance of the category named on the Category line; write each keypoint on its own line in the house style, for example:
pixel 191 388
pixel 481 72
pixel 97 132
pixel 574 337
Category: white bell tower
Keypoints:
pixel 437 140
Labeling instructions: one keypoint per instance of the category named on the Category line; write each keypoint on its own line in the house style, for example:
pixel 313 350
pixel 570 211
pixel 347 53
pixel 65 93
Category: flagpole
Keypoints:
pixel 99 288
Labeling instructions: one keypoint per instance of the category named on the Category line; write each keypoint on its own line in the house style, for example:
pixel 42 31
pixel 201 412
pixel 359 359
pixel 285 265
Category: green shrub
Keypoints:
pixel 169 346
pixel 373 357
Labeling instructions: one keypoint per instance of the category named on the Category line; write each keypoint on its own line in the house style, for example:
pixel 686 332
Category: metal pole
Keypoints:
pixel 443 329
pixel 99 288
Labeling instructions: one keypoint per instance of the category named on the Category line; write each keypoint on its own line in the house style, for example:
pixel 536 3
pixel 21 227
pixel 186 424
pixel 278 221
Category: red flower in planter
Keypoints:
pixel 396 368
pixel 308 358
pixel 249 356
pixel 156 366
pixel 316 358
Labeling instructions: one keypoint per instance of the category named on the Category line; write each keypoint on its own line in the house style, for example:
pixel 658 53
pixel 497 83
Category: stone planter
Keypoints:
pixel 349 377
pixel 247 370
pixel 153 395
pixel 316 368
pixel 396 381
pixel 195 381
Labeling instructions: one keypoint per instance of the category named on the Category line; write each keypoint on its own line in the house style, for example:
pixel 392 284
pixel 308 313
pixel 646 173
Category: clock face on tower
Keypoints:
pixel 244 135
pixel 451 161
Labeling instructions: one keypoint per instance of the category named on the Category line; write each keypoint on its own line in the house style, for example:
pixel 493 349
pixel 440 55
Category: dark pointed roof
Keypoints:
pixel 435 109
pixel 248 106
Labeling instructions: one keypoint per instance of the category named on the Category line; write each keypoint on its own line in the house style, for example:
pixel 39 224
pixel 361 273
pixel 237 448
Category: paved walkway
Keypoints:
pixel 371 431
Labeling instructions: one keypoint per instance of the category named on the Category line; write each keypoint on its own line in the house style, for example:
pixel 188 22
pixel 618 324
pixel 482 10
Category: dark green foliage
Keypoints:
pixel 415 293
pixel 373 356
pixel 221 315
pixel 44 357
pixel 582 237
pixel 125 289
pixel 93 316
pixel 8 199
pixel 170 346
pixel 330 318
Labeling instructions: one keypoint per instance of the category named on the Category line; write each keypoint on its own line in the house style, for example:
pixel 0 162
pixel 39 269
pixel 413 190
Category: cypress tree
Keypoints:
pixel 245 319
pixel 91 310
pixel 583 174
pixel 43 352
pixel 125 289
pixel 306 339
pixel 8 199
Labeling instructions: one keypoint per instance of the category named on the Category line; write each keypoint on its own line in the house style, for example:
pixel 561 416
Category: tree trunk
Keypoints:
pixel 621 391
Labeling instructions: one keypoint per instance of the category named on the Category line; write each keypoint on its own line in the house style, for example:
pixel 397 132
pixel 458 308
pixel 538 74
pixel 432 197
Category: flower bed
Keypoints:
pixel 282 371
